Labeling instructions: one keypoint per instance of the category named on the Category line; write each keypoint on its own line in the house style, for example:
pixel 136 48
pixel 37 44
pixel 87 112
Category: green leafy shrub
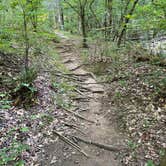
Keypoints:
pixel 49 36
pixel 158 60
pixel 24 92
pixel 149 163
pixel 12 155
pixel 5 34
pixel 4 102
pixel 28 76
pixel 161 88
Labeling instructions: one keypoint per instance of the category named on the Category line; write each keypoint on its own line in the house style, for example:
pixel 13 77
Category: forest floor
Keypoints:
pixel 88 117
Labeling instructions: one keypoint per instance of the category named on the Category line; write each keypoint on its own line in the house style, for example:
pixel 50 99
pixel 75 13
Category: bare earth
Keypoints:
pixel 101 131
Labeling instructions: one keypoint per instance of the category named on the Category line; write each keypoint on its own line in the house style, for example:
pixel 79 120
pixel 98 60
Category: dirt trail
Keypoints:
pixel 101 131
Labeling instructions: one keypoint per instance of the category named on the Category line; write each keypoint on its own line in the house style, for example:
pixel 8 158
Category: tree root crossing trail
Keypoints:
pixel 101 135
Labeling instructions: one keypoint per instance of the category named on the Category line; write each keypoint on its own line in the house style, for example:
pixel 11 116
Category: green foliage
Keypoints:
pixel 149 163
pixel 11 155
pixel 123 83
pixel 64 91
pixel 47 119
pixel 24 129
pixel 27 77
pixel 48 36
pixel 158 60
pixel 5 103
pixel 132 145
pixel 155 11
pixel 6 34
pixel 25 90
pixel 161 87
pixel 63 87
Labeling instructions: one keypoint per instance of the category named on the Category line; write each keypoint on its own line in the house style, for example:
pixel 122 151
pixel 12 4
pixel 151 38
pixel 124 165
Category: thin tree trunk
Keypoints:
pixel 26 59
pixel 83 27
pixel 108 18
pixel 81 13
pixel 62 19
pixel 94 15
pixel 127 19
pixel 60 15
pixel 121 20
pixel 110 13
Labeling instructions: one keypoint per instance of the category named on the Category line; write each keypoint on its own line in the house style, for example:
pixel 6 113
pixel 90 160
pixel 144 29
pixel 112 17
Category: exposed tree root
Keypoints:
pixel 78 91
pixel 89 83
pixel 84 98
pixel 69 142
pixel 77 67
pixel 86 74
pixel 102 146
pixel 74 127
pixel 60 74
pixel 78 115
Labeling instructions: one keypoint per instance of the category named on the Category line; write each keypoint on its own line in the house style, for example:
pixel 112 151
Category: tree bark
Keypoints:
pixel 98 24
pixel 26 59
pixel 80 10
pixel 108 18
pixel 83 27
pixel 116 35
pixel 127 19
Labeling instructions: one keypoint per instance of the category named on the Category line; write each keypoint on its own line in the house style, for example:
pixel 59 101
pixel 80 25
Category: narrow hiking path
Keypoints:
pixel 92 106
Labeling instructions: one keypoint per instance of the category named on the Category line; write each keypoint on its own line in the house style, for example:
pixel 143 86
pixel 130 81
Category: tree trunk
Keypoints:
pixel 83 27
pixel 108 18
pixel 62 19
pixel 26 59
pixel 98 24
pixel 110 13
pixel 123 14
pixel 127 19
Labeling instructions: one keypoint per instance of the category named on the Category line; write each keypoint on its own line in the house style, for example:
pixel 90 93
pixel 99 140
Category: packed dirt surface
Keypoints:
pixel 99 130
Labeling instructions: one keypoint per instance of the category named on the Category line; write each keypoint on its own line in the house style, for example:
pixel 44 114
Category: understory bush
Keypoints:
pixel 25 91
